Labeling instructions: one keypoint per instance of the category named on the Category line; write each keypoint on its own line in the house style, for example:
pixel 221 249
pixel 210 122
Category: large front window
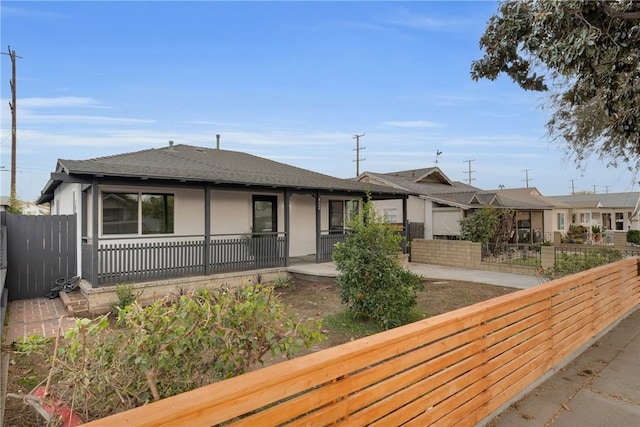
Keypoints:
pixel 137 213
pixel 341 212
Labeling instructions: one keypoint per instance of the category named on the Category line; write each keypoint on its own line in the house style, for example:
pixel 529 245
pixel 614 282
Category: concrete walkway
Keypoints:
pixel 430 271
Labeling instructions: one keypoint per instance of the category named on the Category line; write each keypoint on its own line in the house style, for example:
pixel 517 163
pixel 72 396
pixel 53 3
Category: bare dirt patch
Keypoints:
pixel 310 300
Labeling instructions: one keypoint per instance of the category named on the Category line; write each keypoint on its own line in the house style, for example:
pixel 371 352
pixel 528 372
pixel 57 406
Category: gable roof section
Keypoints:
pixel 528 197
pixel 196 164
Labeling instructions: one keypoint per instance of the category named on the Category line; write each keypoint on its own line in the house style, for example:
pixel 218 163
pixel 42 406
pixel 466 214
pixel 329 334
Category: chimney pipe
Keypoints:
pixel 217 141
pixel 170 145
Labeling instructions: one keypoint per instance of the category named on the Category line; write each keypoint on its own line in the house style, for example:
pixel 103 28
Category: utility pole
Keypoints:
pixel 357 150
pixel 606 189
pixel 573 187
pixel 526 177
pixel 594 189
pixel 12 106
pixel 469 171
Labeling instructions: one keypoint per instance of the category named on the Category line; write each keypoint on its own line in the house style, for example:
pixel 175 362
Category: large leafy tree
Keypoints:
pixel 586 54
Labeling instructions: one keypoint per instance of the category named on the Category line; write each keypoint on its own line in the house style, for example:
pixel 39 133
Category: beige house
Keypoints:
pixel 185 210
pixel 612 212
pixel 440 203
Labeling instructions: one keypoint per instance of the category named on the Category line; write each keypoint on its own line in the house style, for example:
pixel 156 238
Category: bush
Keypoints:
pixel 372 283
pixel 126 296
pixel 570 263
pixel 481 226
pixel 633 236
pixel 174 345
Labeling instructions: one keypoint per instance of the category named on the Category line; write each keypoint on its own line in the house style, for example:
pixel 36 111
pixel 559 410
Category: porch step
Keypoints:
pixel 75 302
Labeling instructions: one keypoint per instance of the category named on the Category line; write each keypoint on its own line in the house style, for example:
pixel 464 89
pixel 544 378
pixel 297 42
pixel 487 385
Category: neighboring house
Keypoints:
pixel 610 211
pixel 28 208
pixel 440 203
pixel 186 210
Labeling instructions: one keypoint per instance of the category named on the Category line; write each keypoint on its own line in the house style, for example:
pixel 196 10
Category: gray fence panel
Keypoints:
pixel 40 249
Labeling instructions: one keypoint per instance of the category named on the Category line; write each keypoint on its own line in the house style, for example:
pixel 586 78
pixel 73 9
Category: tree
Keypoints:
pixel 15 205
pixel 586 54
pixel 372 283
pixel 488 225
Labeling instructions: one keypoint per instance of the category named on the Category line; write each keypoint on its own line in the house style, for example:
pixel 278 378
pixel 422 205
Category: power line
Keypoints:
pixel 357 150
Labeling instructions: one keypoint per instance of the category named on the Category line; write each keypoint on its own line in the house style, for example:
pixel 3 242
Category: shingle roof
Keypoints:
pixel 606 200
pixel 190 163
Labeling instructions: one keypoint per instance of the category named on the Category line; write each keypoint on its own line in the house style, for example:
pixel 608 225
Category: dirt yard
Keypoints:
pixel 308 299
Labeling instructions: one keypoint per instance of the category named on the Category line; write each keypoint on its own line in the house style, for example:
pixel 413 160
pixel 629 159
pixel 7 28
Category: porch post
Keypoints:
pixel 405 222
pixel 207 230
pixel 94 232
pixel 287 226
pixel 317 195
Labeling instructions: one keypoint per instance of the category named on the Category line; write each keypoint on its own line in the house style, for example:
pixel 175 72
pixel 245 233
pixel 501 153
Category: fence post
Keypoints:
pixel 547 256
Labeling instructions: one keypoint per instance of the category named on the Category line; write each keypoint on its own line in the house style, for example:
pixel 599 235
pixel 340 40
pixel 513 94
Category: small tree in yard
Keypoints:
pixel 372 283
pixel 488 225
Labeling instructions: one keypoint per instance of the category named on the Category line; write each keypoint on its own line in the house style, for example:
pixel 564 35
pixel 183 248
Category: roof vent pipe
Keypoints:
pixel 217 141
pixel 170 145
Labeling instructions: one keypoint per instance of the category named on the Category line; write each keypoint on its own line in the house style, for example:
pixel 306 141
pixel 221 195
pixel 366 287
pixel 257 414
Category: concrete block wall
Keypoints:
pixel 463 254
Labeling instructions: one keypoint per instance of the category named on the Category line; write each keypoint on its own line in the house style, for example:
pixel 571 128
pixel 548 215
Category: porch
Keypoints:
pixel 149 259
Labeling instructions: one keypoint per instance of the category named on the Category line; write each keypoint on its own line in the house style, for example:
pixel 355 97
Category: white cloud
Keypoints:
pixel 408 19
pixel 413 124
pixel 57 102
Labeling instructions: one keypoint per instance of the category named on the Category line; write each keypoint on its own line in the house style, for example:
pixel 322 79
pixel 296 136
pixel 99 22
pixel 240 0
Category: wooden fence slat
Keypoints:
pixel 454 368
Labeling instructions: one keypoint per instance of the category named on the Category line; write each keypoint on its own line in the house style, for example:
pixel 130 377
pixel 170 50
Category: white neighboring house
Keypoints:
pixel 28 208
pixel 440 203
pixel 612 212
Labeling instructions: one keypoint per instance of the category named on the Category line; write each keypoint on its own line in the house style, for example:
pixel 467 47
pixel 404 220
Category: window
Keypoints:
pixel 157 213
pixel 560 225
pixel 137 213
pixel 391 214
pixel 336 215
pixel 265 214
pixel 619 221
pixel 585 218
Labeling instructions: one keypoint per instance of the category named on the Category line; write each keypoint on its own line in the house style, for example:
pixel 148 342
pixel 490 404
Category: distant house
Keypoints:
pixel 28 208
pixel 186 210
pixel 440 203
pixel 612 212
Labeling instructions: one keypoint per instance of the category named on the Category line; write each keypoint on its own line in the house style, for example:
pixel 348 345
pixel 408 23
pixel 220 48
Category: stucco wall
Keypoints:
pixel 303 225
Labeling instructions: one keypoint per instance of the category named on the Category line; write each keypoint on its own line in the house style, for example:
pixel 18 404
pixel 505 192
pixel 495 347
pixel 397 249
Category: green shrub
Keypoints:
pixel 284 282
pixel 633 236
pixel 570 263
pixel 481 226
pixel 372 284
pixel 174 345
pixel 30 344
pixel 126 296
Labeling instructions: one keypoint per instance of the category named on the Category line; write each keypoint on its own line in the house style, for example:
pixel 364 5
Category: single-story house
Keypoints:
pixel 439 204
pixel 187 210
pixel 612 212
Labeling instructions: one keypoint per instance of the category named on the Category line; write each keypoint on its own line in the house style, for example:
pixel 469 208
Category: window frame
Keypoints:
pixel 559 222
pixel 139 218
pixel 274 212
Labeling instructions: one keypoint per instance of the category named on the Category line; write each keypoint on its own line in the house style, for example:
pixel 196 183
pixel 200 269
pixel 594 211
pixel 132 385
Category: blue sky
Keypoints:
pixel 290 81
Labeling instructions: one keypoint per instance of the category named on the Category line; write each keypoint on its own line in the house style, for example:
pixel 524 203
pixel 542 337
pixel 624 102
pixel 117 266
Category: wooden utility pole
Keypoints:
pixel 469 171
pixel 526 176
pixel 12 105
pixel 573 187
pixel 357 150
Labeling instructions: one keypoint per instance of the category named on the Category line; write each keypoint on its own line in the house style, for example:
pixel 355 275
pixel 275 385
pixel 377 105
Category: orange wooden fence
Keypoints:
pixel 453 369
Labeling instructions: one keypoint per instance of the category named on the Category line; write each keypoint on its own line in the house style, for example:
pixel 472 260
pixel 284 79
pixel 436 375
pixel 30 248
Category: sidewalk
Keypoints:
pixel 599 388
